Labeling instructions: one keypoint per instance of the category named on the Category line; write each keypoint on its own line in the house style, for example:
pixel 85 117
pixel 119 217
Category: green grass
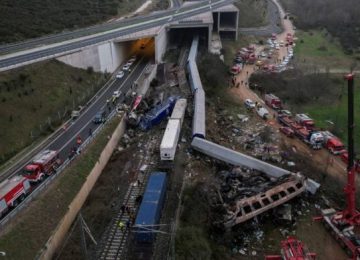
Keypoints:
pixel 33 95
pixel 337 113
pixel 319 48
pixel 34 226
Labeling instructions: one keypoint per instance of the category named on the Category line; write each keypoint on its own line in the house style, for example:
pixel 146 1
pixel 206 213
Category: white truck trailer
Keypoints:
pixel 179 110
pixel 170 139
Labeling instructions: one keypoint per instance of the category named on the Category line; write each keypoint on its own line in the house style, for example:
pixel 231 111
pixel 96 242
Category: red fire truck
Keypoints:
pixel 45 163
pixel 12 192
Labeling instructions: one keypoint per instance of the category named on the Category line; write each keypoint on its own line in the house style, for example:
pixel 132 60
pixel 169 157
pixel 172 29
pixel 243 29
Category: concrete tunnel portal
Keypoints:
pixel 109 56
pixel 153 42
pixel 179 37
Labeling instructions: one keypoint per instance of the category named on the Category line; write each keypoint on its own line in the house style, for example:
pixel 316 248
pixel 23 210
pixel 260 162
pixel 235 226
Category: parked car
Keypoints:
pixel 126 67
pixel 284 112
pixel 249 104
pixel 100 117
pixel 262 112
pixel 120 75
pixel 287 131
pixel 132 58
pixel 117 94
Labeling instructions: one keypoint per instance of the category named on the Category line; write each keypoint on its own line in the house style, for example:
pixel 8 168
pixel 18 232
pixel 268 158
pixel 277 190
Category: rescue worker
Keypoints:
pixel 128 223
pixel 121 225
pixel 78 140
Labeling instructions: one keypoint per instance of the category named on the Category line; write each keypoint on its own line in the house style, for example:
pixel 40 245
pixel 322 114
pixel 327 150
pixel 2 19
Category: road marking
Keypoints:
pixel 86 125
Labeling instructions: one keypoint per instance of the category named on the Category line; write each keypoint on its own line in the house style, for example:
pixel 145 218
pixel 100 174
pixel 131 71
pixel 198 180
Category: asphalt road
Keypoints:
pixel 136 25
pixel 67 139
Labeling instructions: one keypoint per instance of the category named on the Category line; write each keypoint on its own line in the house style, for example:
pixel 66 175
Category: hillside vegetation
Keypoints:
pixel 34 100
pixel 23 19
pixel 340 18
pixel 252 12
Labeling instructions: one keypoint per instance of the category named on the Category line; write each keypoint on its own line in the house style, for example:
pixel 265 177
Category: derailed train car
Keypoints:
pixel 198 129
pixel 148 217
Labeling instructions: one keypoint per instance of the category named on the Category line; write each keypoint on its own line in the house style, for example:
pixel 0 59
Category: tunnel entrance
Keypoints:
pixel 179 37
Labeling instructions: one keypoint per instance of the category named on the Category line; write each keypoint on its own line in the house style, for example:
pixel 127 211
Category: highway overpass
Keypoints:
pixel 104 47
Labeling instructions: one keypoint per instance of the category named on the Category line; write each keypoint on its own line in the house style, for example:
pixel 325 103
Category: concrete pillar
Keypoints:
pixel 160 44
pixel 210 36
pixel 218 23
pixel 237 26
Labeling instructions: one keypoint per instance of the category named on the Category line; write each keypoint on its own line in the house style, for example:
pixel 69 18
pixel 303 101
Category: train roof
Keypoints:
pixel 152 197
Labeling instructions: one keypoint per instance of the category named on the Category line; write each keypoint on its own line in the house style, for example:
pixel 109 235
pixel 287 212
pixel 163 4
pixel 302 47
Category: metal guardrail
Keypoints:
pixel 14 167
pixel 48 180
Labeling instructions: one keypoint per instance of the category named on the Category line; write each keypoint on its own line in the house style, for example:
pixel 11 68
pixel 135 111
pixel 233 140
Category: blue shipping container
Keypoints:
pixel 148 216
pixel 157 114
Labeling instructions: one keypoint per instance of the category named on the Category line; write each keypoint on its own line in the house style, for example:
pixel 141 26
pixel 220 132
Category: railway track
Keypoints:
pixel 114 243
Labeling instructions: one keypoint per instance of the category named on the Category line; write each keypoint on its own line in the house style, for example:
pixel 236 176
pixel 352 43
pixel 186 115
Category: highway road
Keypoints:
pixel 81 126
pixel 125 27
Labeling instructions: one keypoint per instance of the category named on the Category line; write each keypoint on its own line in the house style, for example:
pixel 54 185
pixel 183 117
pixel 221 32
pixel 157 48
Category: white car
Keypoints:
pixel 126 67
pixel 132 59
pixel 117 94
pixel 249 104
pixel 120 75
pixel 263 112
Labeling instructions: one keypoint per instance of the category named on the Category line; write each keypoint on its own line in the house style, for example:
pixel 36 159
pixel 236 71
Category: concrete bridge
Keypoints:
pixel 105 47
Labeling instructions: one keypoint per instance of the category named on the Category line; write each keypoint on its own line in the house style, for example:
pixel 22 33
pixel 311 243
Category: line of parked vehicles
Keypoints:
pixel 15 189
pixel 300 126
pixel 126 67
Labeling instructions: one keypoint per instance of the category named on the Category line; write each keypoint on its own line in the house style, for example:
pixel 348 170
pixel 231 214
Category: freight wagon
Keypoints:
pixel 148 217
pixel 179 110
pixel 170 140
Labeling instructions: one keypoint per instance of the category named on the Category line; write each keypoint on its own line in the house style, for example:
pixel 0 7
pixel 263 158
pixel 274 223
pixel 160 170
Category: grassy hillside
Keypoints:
pixel 36 99
pixel 32 18
pixel 320 48
pixel 340 18
pixel 252 12
pixel 34 226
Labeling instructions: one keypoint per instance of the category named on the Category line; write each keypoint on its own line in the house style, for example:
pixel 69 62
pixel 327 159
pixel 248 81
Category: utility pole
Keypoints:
pixel 82 234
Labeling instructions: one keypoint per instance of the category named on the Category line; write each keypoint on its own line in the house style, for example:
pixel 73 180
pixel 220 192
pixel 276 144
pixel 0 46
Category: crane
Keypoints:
pixel 344 224
pixel 292 249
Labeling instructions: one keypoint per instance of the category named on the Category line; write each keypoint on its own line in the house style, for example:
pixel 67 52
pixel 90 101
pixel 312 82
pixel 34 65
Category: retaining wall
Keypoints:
pixel 56 240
